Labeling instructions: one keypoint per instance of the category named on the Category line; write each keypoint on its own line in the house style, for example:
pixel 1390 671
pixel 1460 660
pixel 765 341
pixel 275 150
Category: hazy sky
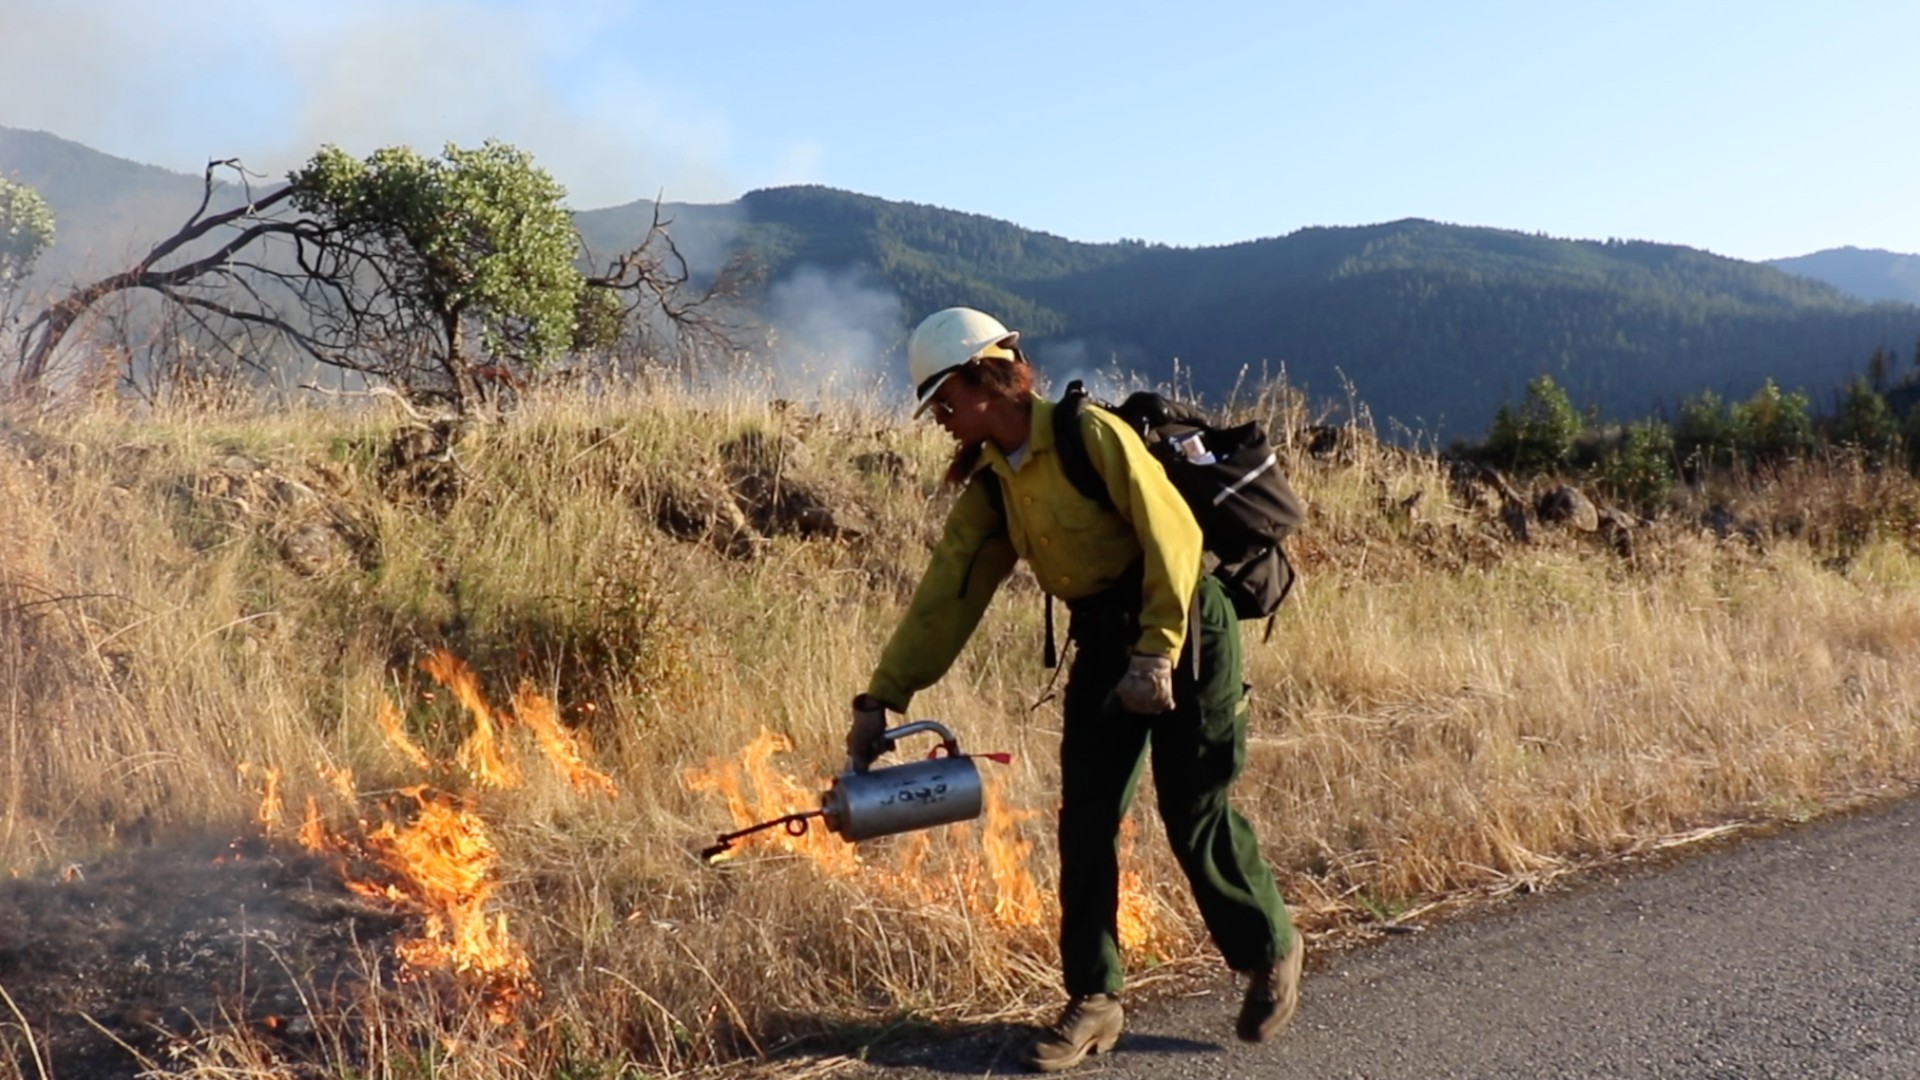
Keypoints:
pixel 1752 128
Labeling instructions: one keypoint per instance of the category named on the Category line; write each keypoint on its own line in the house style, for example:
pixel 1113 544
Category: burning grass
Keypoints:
pixel 486 737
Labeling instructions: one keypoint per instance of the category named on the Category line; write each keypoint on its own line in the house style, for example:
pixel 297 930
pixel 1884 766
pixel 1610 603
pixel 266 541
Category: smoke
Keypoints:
pixel 835 335
pixel 1063 362
pixel 177 84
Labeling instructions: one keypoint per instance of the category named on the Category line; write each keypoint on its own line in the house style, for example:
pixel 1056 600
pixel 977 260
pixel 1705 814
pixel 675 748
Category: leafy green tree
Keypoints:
pixel 1705 434
pixel 1773 426
pixel 1864 419
pixel 1910 436
pixel 461 266
pixel 1639 467
pixel 1879 368
pixel 1540 434
pixel 26 228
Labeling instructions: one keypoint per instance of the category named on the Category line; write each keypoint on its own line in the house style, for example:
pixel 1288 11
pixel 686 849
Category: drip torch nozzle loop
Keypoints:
pixel 795 824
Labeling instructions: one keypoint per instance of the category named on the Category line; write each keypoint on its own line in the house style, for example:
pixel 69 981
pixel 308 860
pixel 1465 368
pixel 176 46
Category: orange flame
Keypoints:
pixel 392 725
pixel 482 755
pixel 1138 920
pixel 992 880
pixel 441 863
pixel 756 791
pixel 561 746
pixel 313 833
pixel 270 805
pixel 1017 900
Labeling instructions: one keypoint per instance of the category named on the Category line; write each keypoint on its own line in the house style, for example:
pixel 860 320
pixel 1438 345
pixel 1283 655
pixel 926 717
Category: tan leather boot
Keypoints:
pixel 1088 1025
pixel 1272 995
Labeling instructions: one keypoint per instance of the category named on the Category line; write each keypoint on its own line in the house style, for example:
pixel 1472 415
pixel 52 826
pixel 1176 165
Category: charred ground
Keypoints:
pixel 149 954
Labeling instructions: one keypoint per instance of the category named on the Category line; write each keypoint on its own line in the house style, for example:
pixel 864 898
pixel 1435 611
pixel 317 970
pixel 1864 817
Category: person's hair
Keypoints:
pixel 1010 380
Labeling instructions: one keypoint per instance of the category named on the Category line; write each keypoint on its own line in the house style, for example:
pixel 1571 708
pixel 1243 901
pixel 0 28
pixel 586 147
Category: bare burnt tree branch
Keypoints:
pixel 198 307
pixel 44 334
pixel 338 295
pixel 656 284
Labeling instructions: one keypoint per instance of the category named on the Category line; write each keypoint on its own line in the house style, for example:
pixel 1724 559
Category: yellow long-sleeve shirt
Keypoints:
pixel 1075 546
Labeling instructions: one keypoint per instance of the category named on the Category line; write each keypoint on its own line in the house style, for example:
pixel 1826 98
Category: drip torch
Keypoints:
pixel 939 790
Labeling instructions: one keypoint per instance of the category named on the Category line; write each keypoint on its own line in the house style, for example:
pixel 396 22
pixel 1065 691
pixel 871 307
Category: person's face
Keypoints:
pixel 960 407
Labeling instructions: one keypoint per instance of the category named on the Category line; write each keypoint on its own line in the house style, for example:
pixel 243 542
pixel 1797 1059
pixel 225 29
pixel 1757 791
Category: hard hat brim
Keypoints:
pixel 932 385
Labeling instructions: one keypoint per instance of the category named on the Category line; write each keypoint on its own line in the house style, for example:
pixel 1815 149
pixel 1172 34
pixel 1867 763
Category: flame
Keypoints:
pixel 313 833
pixel 392 725
pixel 562 748
pixel 756 791
pixel 1017 900
pixel 993 880
pixel 482 755
pixel 436 858
pixel 443 864
pixel 270 805
pixel 340 780
pixel 1138 920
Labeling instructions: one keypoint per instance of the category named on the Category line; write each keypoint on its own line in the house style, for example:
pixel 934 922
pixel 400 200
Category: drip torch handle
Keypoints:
pixel 894 735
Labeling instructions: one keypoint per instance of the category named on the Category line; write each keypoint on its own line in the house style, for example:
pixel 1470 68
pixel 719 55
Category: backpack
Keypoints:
pixel 1230 478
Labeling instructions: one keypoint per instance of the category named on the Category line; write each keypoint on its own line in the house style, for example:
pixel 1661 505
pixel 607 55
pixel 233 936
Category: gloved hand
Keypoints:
pixel 863 735
pixel 1147 687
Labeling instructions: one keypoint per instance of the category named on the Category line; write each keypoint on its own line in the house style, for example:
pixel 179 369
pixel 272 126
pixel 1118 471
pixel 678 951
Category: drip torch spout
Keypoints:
pixel 795 824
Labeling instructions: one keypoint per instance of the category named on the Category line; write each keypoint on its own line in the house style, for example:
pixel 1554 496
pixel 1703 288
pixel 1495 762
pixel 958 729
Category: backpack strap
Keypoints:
pixel 1078 465
pixel 1071 445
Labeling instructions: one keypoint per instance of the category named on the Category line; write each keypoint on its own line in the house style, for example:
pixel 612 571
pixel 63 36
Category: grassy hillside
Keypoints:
pixel 250 629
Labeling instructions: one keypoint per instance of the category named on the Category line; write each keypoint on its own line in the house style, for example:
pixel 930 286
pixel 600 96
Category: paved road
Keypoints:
pixel 1794 956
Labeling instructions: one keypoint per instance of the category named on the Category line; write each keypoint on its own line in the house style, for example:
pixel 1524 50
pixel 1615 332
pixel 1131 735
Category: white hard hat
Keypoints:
pixel 944 342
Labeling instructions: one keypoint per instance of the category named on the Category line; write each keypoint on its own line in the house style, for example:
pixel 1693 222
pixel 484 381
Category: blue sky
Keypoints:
pixel 1755 129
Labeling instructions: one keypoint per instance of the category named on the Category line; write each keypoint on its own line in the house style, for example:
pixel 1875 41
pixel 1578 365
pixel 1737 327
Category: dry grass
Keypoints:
pixel 1440 711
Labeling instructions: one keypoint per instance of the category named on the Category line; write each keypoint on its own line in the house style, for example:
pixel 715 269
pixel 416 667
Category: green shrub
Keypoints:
pixel 1539 435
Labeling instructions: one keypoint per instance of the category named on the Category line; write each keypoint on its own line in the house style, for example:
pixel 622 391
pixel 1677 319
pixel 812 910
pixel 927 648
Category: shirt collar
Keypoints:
pixel 1039 440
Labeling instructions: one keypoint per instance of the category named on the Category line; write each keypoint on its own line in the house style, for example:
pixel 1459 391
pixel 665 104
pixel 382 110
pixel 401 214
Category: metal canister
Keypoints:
pixel 900 798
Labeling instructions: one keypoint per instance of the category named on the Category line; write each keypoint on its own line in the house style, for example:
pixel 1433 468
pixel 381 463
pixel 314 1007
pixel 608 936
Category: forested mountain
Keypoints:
pixel 1861 273
pixel 1432 325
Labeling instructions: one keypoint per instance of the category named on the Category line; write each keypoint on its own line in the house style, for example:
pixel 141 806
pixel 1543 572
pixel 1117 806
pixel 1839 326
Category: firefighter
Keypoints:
pixel 1156 663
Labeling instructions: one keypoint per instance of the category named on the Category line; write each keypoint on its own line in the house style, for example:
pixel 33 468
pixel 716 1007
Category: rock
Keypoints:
pixel 890 464
pixel 757 450
pixel 1616 527
pixel 1565 505
pixel 784 505
pixel 314 549
pixel 1514 513
pixel 706 512
pixel 291 494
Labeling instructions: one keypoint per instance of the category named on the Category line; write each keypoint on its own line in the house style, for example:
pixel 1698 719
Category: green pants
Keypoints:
pixel 1198 749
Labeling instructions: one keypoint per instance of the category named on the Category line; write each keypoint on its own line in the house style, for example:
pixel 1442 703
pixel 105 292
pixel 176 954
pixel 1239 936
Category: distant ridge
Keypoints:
pixel 104 207
pixel 1863 273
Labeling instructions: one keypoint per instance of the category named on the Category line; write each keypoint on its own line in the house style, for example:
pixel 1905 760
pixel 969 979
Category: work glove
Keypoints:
pixel 863 735
pixel 1147 687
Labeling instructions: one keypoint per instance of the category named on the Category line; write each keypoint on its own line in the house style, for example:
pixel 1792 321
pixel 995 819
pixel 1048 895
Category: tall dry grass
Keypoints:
pixel 1440 711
